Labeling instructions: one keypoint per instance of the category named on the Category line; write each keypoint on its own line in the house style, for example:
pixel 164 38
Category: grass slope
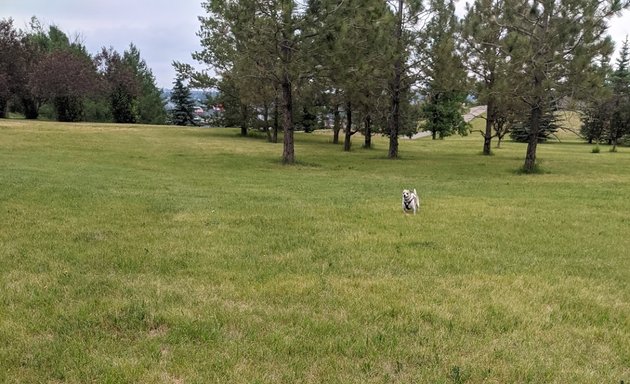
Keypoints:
pixel 168 255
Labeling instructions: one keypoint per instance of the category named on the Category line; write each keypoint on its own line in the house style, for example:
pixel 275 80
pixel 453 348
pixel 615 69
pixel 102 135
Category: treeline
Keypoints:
pixel 385 65
pixel 45 73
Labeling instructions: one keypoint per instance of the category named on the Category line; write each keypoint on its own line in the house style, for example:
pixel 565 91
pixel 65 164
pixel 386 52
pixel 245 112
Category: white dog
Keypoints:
pixel 410 201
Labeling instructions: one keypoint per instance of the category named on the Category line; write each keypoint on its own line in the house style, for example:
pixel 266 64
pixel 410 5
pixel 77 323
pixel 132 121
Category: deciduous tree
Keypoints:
pixel 66 77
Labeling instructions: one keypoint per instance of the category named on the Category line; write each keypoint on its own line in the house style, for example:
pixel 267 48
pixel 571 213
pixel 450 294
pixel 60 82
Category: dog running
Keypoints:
pixel 410 201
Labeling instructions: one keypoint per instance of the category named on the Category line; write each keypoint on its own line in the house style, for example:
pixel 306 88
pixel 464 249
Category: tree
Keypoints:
pixel 63 72
pixel 619 124
pixel 606 117
pixel 548 126
pixel 403 47
pixel 445 76
pixel 352 63
pixel 122 85
pixel 183 109
pixel 554 42
pixel 16 61
pixel 267 41
pixel 66 77
pixel 149 103
pixel 9 46
pixel 484 46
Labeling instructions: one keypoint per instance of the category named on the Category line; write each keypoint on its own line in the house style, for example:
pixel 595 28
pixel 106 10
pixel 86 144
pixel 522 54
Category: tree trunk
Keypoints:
pixel 266 121
pixel 276 122
pixel 336 124
pixel 3 108
pixel 288 153
pixel 530 157
pixel 490 118
pixel 394 127
pixel 31 111
pixel 243 120
pixel 534 129
pixel 348 136
pixel 368 132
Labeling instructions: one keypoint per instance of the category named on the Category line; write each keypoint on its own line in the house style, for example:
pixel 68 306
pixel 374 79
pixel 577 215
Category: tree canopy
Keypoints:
pixel 43 67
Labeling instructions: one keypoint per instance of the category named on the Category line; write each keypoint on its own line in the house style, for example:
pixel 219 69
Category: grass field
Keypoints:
pixel 145 254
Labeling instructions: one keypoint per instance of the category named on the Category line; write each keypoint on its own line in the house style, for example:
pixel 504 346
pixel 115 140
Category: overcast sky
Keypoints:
pixel 163 30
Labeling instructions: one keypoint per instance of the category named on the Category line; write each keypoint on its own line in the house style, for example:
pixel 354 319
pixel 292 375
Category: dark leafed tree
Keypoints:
pixel 182 113
pixel 9 47
pixel 555 42
pixel 4 94
pixel 17 56
pixel 121 83
pixel 66 77
pixel 63 74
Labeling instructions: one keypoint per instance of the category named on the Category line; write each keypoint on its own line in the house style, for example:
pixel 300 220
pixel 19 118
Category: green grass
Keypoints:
pixel 168 255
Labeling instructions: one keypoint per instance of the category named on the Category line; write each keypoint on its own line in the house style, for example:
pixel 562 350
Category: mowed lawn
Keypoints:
pixel 142 254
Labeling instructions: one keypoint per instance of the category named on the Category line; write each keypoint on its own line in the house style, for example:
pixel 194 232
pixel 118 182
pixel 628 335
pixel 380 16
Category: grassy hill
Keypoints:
pixel 169 255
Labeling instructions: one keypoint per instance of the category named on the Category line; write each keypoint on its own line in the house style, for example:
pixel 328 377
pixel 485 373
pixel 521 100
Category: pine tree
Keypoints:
pixel 483 37
pixel 263 40
pixel 548 127
pixel 445 81
pixel 149 103
pixel 607 115
pixel 406 41
pixel 620 118
pixel 182 113
pixel 554 42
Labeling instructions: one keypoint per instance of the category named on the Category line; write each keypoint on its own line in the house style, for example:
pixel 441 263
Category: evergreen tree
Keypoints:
pixel 484 46
pixel 406 42
pixel 352 64
pixel 620 118
pixel 149 105
pixel 555 42
pixel 606 117
pixel 521 131
pixel 264 40
pixel 182 113
pixel 445 75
